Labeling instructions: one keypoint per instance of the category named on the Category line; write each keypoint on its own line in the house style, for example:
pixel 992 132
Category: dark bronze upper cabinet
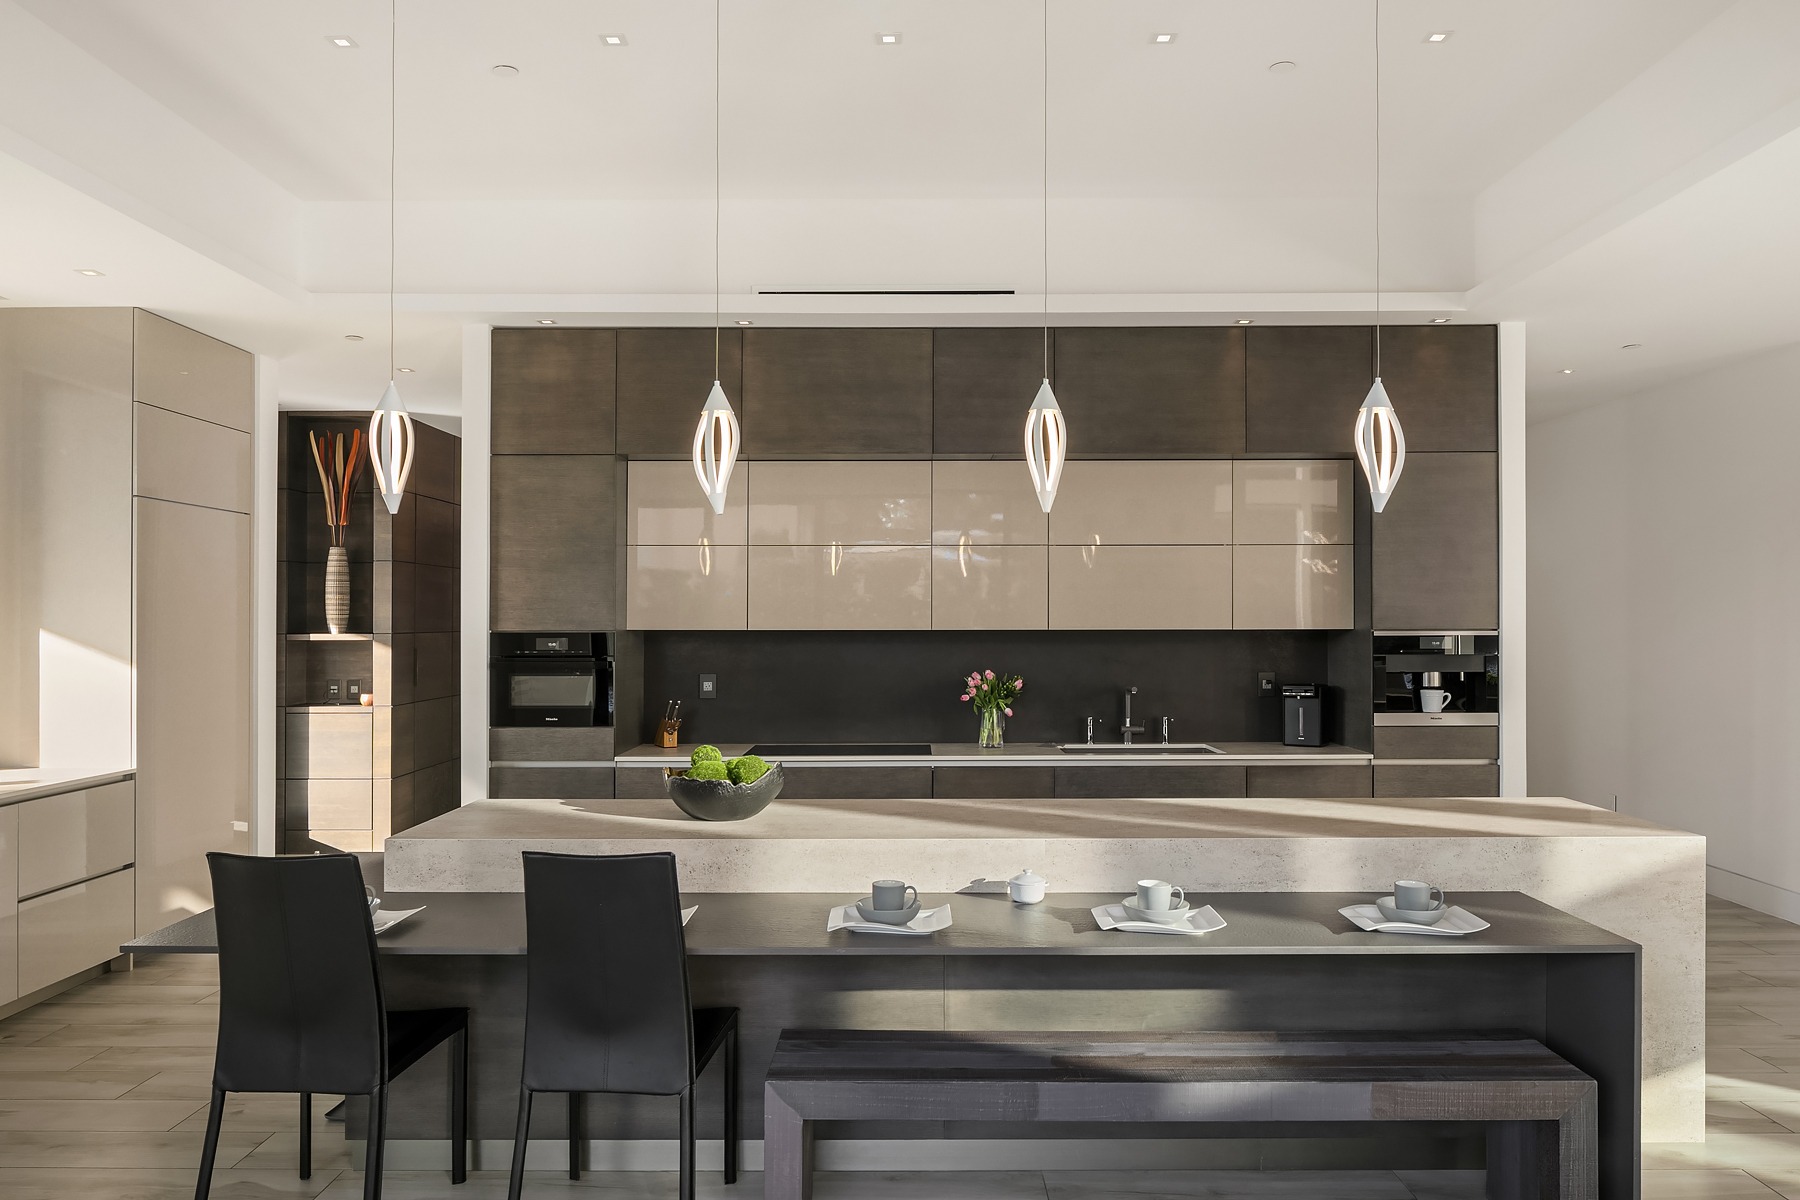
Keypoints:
pixel 1444 381
pixel 1436 548
pixel 554 541
pixel 553 391
pixel 664 378
pixel 837 393
pixel 983 380
pixel 1151 393
pixel 1303 385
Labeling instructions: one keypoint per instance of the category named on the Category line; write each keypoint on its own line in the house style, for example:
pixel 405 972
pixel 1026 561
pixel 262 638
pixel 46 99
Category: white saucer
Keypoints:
pixel 1412 916
pixel 1162 916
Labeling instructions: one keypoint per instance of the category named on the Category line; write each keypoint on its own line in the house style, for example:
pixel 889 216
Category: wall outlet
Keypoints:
pixel 1265 682
pixel 355 690
pixel 709 687
pixel 334 691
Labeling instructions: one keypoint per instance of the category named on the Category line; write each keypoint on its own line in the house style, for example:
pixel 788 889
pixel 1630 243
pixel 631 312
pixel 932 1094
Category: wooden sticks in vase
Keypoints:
pixel 339 458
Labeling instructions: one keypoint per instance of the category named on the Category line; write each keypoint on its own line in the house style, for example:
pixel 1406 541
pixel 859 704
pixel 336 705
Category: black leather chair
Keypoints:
pixel 300 1005
pixel 606 998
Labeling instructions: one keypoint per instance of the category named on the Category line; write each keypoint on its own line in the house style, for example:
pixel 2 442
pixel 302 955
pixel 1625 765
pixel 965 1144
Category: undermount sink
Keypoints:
pixel 1138 748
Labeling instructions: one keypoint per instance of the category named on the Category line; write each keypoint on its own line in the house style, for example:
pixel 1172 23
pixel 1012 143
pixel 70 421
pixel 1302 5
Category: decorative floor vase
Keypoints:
pixel 337 590
pixel 993 728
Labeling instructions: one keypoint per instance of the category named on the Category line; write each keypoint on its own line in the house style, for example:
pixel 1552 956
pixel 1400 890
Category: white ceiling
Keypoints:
pixel 1608 171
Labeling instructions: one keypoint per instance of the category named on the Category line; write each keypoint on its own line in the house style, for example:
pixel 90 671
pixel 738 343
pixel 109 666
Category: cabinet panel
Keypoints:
pixel 1437 781
pixel 687 587
pixel 192 461
pixel 983 380
pixel 1446 741
pixel 74 929
pixel 1143 504
pixel 855 783
pixel 1140 587
pixel 847 503
pixel 984 503
pixel 840 587
pixel 1292 587
pixel 1180 390
pixel 665 506
pixel 1444 381
pixel 1436 548
pixel 554 542
pixel 990 587
pixel 1154 782
pixel 74 836
pixel 330 804
pixel 1303 385
pixel 9 904
pixel 1297 781
pixel 551 783
pixel 185 371
pixel 837 393
pixel 994 783
pixel 645 783
pixel 664 378
pixel 331 745
pixel 546 743
pixel 553 391
pixel 1292 502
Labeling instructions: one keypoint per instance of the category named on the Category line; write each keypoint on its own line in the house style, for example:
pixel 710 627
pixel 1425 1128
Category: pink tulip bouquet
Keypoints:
pixel 992 695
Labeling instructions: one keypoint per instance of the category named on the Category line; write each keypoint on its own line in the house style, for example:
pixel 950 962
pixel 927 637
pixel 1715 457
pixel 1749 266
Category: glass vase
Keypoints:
pixel 993 728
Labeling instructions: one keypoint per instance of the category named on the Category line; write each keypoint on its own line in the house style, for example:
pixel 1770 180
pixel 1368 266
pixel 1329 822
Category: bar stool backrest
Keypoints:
pixel 606 996
pixel 300 1004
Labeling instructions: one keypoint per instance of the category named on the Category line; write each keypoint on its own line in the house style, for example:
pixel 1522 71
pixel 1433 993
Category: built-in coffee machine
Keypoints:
pixel 1447 678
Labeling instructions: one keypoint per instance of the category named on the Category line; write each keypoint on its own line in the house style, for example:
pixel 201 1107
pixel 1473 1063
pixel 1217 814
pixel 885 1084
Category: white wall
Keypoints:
pixel 1665 602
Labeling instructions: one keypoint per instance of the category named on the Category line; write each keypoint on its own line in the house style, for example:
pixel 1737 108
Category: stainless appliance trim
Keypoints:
pixel 1447 718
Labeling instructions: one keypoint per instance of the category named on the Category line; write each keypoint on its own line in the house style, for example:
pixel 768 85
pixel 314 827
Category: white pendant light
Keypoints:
pixel 1046 434
pixel 391 441
pixel 1380 442
pixel 717 436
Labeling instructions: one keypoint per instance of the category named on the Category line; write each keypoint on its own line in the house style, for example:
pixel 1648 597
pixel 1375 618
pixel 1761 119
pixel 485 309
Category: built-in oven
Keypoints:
pixel 550 679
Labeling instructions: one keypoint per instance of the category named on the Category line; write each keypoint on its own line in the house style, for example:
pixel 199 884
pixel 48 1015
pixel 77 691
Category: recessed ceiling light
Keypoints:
pixel 887 39
pixel 1632 346
pixel 405 370
pixel 1284 66
pixel 1244 321
pixel 613 39
pixel 1568 370
pixel 504 69
pixel 1162 39
pixel 1440 320
pixel 342 43
pixel 88 271
pixel 1441 36
pixel 746 322
pixel 353 337
pixel 545 321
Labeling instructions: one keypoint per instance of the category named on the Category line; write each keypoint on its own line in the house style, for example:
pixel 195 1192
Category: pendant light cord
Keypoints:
pixel 716 189
pixel 1046 189
pixel 1378 189
pixel 393 152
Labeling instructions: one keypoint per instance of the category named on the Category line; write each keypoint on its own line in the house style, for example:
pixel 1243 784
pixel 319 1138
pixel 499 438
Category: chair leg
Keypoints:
pixel 215 1114
pixel 731 1104
pixel 687 1143
pixel 575 1132
pixel 372 1160
pixel 459 1108
pixel 306 1135
pixel 517 1182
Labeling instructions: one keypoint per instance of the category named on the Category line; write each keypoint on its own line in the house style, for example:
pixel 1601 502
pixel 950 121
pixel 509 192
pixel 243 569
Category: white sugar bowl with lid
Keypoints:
pixel 1027 887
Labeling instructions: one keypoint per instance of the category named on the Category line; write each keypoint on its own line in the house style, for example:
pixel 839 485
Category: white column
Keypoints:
pixel 476 443
pixel 265 550
pixel 1513 780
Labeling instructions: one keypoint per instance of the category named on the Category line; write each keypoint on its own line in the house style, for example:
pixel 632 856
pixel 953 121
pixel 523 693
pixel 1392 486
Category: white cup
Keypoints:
pixel 1434 700
pixel 1157 895
pixel 374 900
pixel 1413 895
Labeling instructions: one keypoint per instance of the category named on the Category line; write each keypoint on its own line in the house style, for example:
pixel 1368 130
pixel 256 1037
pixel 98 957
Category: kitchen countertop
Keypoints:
pixel 1031 754
pixel 19 784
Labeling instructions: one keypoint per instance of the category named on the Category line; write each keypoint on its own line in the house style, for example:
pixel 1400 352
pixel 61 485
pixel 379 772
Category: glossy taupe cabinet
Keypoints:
pixel 665 507
pixel 840 503
pixel 1435 551
pixel 1143 503
pixel 985 503
pixel 837 393
pixel 9 903
pixel 1140 587
pixel 1166 392
pixel 979 586
pixel 553 391
pixel 1293 587
pixel 687 587
pixel 554 545
pixel 840 587
pixel 1292 502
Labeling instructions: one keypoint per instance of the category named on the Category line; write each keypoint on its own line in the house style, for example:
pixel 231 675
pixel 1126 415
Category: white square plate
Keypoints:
pixel 1457 921
pixel 929 920
pixel 1200 920
pixel 386 918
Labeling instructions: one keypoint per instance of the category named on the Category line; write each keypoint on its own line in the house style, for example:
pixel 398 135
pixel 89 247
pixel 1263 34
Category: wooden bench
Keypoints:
pixel 1540 1110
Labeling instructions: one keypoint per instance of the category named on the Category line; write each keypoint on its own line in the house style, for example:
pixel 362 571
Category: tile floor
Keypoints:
pixel 103 1097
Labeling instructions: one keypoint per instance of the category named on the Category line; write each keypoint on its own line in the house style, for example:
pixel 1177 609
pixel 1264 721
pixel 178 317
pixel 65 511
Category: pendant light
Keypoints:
pixel 391 441
pixel 717 437
pixel 1380 442
pixel 1046 435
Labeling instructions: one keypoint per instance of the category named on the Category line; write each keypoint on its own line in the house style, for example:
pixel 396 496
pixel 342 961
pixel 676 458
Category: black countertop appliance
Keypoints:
pixel 1302 714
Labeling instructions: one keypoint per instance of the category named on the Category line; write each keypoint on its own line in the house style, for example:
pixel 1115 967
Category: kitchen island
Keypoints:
pixel 1634 879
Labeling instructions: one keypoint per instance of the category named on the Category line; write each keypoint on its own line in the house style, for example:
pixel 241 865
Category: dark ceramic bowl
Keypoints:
pixel 720 799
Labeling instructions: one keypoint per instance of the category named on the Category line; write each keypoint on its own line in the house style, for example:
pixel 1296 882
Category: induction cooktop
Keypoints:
pixel 839 749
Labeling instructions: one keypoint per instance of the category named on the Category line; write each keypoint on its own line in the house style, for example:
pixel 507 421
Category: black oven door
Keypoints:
pixel 563 691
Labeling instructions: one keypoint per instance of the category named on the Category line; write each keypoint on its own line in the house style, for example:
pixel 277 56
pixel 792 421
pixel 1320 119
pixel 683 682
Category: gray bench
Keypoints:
pixel 1540 1111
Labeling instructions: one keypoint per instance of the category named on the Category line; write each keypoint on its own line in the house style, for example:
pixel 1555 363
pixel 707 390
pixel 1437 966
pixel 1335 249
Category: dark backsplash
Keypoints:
pixel 903 686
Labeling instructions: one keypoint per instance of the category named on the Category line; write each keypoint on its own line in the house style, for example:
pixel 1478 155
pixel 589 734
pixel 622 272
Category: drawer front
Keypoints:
pixel 74 836
pixel 74 928
pixel 552 783
pixel 1325 781
pixel 1437 781
pixel 330 804
pixel 330 745
pixel 640 783
pixel 545 744
pixel 994 783
pixel 1438 741
pixel 1112 782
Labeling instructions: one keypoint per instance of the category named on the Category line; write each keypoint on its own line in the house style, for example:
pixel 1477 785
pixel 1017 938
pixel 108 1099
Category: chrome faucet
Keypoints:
pixel 1127 729
pixel 1090 740
pixel 1167 721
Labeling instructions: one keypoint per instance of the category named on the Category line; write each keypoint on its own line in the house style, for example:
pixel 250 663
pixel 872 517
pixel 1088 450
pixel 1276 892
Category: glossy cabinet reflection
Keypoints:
pixel 841 503
pixel 1143 504
pixel 1292 502
pixel 985 503
pixel 665 506
pixel 840 587
pixel 977 586
pixel 1292 587
pixel 685 587
pixel 1140 587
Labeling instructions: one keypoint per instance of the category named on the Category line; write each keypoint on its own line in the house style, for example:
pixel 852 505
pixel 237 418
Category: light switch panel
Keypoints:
pixel 709 687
